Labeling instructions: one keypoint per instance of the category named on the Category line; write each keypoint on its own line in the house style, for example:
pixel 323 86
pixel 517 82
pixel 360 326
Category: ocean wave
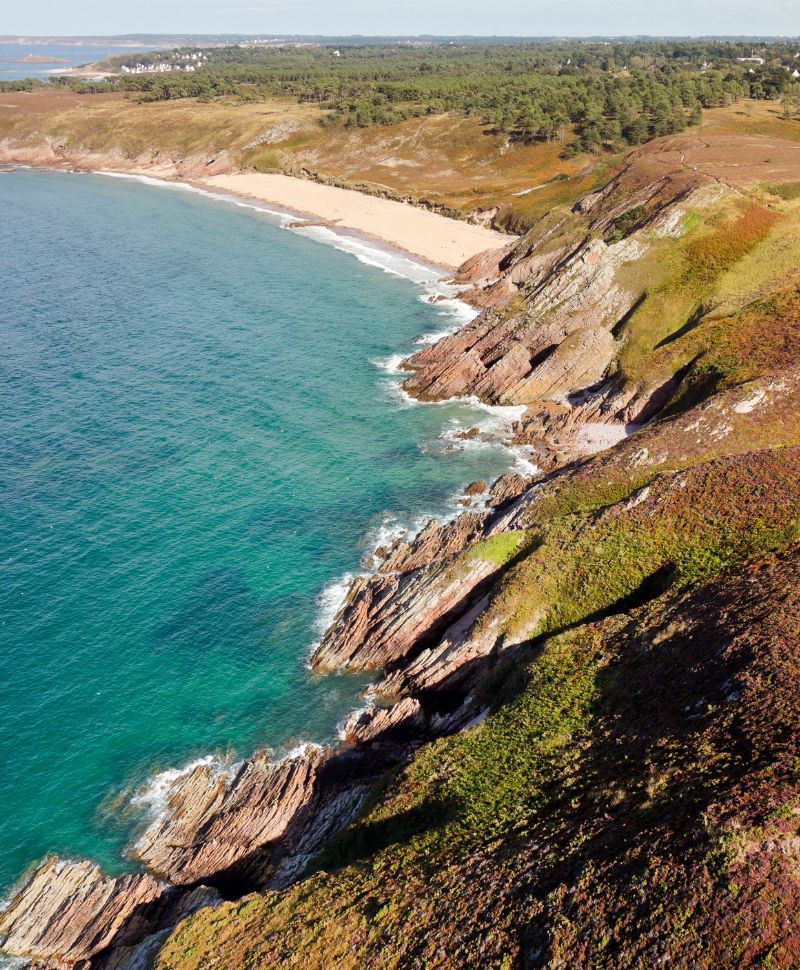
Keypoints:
pixel 522 463
pixel 152 798
pixel 426 339
pixel 283 218
pixel 444 296
pixel 389 260
pixel 386 532
pixel 391 364
pixel 297 751
pixel 354 715
pixel 395 393
pixel 330 600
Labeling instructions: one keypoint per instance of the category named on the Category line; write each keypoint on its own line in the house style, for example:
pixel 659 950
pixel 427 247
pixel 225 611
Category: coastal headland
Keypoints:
pixel 580 746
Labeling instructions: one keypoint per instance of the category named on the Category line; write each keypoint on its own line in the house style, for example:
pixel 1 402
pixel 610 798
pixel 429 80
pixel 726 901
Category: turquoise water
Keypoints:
pixel 194 445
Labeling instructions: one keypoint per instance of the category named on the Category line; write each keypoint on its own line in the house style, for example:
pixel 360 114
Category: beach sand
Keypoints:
pixel 436 239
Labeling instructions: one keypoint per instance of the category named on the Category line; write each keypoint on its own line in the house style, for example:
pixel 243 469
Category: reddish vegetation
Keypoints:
pixel 766 335
pixel 710 255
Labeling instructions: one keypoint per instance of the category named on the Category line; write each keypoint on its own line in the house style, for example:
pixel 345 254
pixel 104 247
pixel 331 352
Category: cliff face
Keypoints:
pixel 585 690
pixel 567 271
pixel 634 804
pixel 623 621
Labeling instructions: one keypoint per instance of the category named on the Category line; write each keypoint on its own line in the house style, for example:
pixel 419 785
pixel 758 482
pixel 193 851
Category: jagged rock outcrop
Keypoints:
pixel 413 594
pixel 567 270
pixel 493 356
pixel 257 823
pixel 71 914
pixel 435 542
pixel 406 719
pixel 385 616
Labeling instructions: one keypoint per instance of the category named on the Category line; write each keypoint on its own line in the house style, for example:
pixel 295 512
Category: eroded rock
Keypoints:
pixel 69 912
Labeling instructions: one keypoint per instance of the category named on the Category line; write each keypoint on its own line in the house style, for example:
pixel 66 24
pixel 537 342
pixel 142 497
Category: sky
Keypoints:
pixel 477 17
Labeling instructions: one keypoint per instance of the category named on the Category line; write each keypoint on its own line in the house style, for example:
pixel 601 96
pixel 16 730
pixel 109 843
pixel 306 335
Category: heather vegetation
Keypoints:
pixel 632 799
pixel 625 760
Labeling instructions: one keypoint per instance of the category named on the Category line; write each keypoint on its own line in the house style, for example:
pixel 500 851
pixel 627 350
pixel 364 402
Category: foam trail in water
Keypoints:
pixel 154 795
pixel 283 218
pixel 372 254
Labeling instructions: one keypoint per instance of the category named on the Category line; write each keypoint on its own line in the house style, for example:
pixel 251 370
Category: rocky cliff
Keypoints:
pixel 580 745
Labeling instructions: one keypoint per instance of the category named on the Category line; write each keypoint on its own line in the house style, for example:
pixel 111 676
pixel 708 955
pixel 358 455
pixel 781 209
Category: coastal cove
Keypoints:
pixel 203 437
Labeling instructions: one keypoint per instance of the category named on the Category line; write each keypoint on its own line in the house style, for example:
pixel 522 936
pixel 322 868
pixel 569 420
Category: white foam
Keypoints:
pixel 426 339
pixel 298 751
pixel 445 297
pixel 283 218
pixel 330 600
pixel 154 795
pixel 353 716
pixel 396 393
pixel 383 258
pixel 523 464
pixel 12 963
pixel 391 365
pixel 386 533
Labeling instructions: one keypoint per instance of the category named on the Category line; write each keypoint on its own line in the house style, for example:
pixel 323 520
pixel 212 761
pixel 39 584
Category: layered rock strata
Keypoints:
pixel 428 618
pixel 69 914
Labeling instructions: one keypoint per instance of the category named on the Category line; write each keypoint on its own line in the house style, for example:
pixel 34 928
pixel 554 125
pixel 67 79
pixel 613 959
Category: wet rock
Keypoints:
pixel 476 488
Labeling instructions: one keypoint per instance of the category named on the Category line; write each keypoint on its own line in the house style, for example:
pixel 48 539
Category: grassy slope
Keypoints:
pixel 451 161
pixel 614 810
pixel 635 798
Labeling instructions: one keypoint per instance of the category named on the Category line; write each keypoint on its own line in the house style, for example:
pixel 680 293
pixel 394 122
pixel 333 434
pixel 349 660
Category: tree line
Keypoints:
pixel 589 94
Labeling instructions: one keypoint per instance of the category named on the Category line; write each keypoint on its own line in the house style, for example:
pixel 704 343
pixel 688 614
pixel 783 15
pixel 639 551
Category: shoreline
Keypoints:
pixel 294 219
pixel 143 794
pixel 435 238
pixel 437 241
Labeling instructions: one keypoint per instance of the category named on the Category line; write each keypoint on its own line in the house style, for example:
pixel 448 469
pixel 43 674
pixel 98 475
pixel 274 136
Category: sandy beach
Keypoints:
pixel 434 238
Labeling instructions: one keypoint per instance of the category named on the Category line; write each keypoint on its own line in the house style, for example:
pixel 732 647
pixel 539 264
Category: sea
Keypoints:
pixel 202 433
pixel 13 66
